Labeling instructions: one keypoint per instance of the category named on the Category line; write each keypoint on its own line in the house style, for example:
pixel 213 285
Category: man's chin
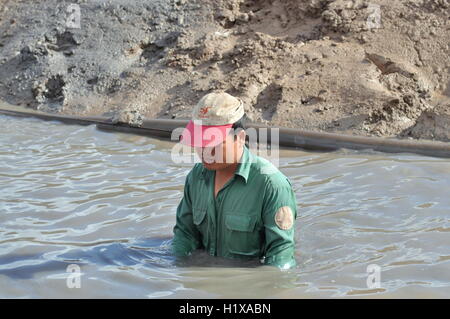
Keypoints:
pixel 214 166
pixel 210 166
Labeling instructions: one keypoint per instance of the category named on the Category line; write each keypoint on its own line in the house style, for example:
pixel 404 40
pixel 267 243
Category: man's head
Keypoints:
pixel 216 130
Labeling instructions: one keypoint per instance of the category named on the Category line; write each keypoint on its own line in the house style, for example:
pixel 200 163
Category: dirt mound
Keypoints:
pixel 354 66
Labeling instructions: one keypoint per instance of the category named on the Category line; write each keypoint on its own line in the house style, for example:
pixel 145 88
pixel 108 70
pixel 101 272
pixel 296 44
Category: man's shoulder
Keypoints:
pixel 195 172
pixel 266 171
pixel 196 169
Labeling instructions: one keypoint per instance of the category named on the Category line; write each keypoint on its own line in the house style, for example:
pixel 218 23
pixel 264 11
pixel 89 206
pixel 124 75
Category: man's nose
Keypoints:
pixel 208 151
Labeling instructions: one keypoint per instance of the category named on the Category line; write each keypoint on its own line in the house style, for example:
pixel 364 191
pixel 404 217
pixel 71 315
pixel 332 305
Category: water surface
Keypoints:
pixel 106 202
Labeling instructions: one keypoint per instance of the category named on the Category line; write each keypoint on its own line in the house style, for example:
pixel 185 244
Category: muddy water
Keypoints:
pixel 73 195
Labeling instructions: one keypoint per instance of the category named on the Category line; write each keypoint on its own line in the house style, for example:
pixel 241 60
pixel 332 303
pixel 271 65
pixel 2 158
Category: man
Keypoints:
pixel 235 204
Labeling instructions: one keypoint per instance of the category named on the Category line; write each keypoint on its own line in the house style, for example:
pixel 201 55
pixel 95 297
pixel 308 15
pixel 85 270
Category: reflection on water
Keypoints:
pixel 106 202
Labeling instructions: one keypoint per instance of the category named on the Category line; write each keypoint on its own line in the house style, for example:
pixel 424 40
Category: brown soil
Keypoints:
pixel 325 65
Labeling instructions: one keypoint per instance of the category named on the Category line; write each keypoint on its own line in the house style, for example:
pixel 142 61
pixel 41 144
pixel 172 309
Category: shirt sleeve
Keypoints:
pixel 186 235
pixel 279 214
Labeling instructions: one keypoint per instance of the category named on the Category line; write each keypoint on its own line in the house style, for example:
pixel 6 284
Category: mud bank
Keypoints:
pixel 371 68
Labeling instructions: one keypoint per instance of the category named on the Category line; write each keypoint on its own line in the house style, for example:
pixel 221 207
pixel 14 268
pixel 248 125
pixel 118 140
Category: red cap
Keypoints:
pixel 204 135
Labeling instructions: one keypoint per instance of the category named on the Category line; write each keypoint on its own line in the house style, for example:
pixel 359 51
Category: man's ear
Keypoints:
pixel 241 137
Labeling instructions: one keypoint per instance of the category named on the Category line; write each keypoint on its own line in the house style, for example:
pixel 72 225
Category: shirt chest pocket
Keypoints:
pixel 200 219
pixel 198 215
pixel 242 236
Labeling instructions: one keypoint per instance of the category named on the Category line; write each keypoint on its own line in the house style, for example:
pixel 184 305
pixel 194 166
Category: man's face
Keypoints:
pixel 222 155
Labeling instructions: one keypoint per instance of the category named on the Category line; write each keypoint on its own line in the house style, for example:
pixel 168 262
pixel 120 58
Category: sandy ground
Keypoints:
pixel 374 68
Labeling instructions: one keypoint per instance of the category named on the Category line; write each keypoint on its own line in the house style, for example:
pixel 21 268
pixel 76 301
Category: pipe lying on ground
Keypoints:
pixel 288 137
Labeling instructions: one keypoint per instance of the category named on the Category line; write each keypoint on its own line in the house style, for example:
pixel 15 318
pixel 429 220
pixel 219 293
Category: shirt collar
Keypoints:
pixel 243 168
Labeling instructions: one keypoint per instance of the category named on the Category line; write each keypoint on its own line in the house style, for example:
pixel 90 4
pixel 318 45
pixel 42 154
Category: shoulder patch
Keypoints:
pixel 284 218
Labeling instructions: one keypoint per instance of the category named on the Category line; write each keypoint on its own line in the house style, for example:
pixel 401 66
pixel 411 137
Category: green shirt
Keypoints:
pixel 240 221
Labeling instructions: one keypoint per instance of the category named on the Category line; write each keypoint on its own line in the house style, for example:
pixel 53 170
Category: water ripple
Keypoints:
pixel 107 202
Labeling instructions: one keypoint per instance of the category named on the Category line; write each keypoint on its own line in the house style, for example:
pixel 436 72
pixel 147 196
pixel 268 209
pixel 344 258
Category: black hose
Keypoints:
pixel 288 137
